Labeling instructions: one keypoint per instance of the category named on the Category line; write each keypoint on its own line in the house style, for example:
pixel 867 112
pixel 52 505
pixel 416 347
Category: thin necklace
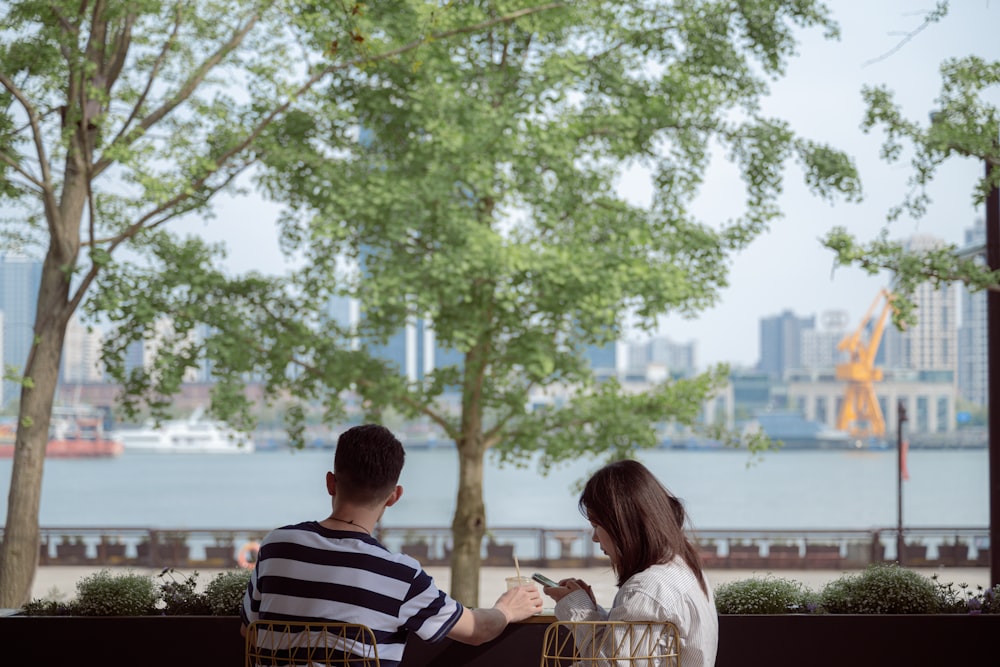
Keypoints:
pixel 356 525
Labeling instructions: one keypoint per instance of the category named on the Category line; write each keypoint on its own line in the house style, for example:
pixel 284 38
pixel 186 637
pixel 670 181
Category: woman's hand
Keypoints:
pixel 567 586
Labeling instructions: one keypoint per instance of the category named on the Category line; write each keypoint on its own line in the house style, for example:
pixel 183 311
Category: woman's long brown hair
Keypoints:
pixel 643 519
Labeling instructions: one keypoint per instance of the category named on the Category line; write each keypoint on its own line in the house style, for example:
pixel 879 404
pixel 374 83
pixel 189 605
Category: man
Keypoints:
pixel 334 570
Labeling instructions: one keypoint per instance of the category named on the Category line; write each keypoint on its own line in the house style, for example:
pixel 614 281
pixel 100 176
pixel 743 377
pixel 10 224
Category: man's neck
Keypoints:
pixel 351 518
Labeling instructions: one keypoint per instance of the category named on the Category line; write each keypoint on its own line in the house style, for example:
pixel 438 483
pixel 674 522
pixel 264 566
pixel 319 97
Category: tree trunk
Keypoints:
pixel 469 524
pixel 19 552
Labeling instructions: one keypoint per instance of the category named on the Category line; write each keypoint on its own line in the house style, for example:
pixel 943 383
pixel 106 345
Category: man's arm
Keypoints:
pixel 478 626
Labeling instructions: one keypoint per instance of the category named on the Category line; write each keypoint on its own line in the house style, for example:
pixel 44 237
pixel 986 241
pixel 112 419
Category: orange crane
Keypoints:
pixel 860 414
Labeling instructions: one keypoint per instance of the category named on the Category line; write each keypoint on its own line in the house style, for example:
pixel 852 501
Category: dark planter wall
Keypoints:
pixel 771 641
pixel 150 641
pixel 860 641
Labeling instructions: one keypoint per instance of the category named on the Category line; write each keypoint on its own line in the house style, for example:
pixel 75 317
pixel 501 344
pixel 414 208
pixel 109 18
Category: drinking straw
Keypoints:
pixel 517 568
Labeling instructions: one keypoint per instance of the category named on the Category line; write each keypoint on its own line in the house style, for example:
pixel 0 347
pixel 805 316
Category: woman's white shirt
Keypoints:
pixel 667 592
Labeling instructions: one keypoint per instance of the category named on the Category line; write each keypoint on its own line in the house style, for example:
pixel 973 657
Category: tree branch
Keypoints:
pixel 177 200
pixel 492 435
pixel 945 277
pixel 403 397
pixel 185 91
pixel 48 196
pixel 198 187
pixel 932 16
pixel 122 38
pixel 5 157
pixel 223 159
pixel 157 65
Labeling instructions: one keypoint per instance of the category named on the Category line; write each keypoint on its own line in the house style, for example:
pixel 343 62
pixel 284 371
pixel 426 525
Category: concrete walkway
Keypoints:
pixel 59 581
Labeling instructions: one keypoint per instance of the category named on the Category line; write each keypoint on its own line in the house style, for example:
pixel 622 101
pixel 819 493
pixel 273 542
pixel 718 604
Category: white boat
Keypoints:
pixel 194 435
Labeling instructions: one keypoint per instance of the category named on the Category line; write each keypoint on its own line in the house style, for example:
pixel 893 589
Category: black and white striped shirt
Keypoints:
pixel 306 572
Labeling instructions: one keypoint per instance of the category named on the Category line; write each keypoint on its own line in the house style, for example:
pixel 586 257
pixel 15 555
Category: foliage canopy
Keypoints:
pixel 471 184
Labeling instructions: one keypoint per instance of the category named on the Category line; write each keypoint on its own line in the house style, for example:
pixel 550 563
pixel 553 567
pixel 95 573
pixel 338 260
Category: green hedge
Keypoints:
pixel 131 594
pixel 882 588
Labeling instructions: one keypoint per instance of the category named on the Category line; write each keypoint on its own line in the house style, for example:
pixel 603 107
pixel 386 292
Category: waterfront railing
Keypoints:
pixel 156 547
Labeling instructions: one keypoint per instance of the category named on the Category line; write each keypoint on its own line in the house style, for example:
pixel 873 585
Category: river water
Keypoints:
pixel 721 489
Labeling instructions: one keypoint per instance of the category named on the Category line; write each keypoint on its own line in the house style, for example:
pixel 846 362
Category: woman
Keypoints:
pixel 640 526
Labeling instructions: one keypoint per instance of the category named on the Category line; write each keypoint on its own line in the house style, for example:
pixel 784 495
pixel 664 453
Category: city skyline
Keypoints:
pixel 799 366
pixel 786 341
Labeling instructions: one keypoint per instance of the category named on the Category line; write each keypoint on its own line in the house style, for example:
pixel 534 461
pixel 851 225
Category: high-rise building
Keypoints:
pixel 603 359
pixel 678 357
pixel 135 356
pixel 441 356
pixel 413 349
pixel 342 311
pixel 636 357
pixel 781 343
pixel 81 357
pixel 415 352
pixel 931 344
pixel 204 371
pixel 660 353
pixel 972 339
pixel 141 354
pixel 818 347
pixel 20 279
pixel 404 349
pixel 1 357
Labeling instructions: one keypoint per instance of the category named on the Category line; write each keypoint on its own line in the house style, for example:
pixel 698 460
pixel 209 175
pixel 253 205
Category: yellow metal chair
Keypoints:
pixel 611 644
pixel 285 643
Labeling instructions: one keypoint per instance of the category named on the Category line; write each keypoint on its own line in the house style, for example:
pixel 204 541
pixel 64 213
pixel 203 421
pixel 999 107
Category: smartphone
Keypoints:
pixel 543 580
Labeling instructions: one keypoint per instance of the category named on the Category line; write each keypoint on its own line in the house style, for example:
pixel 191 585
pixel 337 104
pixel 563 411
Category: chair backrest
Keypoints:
pixel 611 644
pixel 286 643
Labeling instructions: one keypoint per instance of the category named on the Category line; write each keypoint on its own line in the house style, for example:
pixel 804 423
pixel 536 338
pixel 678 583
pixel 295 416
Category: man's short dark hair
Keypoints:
pixel 367 463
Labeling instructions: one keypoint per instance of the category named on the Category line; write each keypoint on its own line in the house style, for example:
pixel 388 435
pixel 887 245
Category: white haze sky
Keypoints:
pixel 786 269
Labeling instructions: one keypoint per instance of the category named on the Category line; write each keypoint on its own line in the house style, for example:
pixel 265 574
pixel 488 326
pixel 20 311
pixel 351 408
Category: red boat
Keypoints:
pixel 73 435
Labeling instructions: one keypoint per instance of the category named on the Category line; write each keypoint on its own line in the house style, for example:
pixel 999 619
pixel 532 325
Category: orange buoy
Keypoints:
pixel 247 555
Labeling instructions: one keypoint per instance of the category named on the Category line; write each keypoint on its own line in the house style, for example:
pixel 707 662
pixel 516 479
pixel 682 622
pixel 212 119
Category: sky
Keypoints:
pixel 820 96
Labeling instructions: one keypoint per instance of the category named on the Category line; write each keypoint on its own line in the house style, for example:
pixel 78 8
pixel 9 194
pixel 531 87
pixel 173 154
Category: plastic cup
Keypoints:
pixel 514 582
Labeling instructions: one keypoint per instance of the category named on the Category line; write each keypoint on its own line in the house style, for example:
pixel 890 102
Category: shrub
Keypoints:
pixel 767 595
pixel 224 594
pixel 959 599
pixel 180 597
pixel 105 594
pixel 49 607
pixel 883 588
pixel 989 601
pixel 131 594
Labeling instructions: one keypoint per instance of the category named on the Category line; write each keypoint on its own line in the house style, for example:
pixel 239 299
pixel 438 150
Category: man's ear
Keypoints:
pixel 396 493
pixel 331 484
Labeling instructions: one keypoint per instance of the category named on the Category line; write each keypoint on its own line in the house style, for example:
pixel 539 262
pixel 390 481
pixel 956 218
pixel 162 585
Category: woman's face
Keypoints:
pixel 607 546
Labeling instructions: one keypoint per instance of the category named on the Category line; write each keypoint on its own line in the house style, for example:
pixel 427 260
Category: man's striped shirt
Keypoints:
pixel 306 572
